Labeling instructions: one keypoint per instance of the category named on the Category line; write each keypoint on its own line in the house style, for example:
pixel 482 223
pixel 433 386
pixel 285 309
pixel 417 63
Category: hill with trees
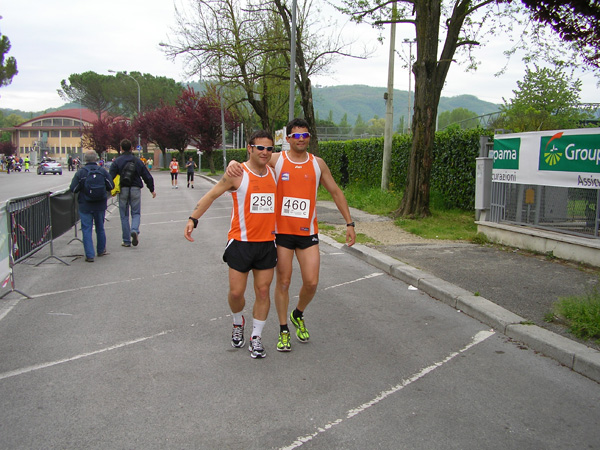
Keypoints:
pixel 368 102
pixel 337 101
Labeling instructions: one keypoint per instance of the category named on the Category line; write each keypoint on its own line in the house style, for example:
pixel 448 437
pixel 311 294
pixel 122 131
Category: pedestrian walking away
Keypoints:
pixel 133 175
pixel 174 166
pixel 92 183
pixel 190 165
pixel 299 174
pixel 251 237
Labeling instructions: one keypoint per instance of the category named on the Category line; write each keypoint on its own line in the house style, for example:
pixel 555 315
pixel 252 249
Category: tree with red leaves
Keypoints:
pixel 164 127
pixel 107 132
pixel 201 115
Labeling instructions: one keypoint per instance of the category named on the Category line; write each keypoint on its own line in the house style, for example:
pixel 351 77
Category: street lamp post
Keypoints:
pixel 138 104
pixel 410 42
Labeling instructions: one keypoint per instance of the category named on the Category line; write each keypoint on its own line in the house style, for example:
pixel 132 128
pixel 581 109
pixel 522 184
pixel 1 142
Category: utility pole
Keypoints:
pixel 410 42
pixel 389 108
pixel 292 64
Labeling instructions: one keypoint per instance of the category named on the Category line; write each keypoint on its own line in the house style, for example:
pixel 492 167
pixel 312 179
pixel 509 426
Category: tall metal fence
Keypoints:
pixel 561 209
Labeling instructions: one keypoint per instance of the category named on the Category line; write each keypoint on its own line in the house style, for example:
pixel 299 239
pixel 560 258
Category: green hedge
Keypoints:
pixel 453 172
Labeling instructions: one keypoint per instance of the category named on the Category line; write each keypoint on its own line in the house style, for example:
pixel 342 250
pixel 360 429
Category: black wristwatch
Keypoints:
pixel 194 220
pixel 351 224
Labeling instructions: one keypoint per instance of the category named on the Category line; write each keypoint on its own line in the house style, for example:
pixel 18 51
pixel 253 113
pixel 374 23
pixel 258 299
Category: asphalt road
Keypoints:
pixel 133 352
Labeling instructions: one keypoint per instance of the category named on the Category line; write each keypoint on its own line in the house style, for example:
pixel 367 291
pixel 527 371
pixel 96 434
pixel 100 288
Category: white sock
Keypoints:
pixel 237 318
pixel 257 327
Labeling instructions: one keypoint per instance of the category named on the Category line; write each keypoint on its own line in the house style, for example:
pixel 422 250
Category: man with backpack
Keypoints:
pixel 92 182
pixel 131 171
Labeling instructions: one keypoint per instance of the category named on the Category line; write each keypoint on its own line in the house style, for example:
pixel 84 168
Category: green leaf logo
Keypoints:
pixel 552 156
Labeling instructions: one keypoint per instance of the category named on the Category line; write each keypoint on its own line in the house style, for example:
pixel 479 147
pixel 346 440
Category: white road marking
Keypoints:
pixel 478 338
pixel 366 277
pixel 14 373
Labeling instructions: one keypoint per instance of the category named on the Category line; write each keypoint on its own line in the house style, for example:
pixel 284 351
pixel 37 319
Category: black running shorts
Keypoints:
pixel 244 256
pixel 293 241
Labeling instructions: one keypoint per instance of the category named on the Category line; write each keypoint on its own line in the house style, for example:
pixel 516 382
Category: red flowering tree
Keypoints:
pixel 164 127
pixel 201 115
pixel 107 132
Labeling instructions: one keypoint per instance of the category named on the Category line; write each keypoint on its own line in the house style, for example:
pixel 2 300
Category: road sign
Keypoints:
pixel 139 148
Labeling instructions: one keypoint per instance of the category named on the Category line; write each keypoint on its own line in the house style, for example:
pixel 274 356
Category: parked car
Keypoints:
pixel 49 166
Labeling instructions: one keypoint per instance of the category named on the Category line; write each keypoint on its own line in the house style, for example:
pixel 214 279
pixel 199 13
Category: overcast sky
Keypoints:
pixel 52 39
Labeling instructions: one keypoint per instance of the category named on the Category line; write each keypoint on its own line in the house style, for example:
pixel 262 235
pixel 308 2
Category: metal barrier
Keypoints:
pixel 30 225
pixel 568 210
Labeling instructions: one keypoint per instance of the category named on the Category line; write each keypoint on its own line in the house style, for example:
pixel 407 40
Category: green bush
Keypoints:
pixel 452 176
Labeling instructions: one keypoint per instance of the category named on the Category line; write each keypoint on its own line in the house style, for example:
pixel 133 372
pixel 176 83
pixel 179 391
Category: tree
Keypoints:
pixel 376 126
pixel 7 148
pixel 575 22
pixel 202 117
pixel 90 90
pixel 459 116
pixel 164 127
pixel 223 40
pixel 546 99
pixel 154 92
pixel 106 133
pixel 360 127
pixel 464 23
pixel 8 66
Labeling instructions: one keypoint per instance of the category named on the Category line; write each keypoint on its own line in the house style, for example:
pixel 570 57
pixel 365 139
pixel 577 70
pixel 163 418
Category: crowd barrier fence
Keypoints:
pixel 30 223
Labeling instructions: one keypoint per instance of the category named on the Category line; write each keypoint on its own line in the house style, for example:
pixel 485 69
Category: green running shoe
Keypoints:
pixel 301 331
pixel 283 345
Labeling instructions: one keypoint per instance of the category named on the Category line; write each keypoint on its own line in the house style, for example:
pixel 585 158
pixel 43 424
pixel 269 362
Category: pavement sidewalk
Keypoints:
pixel 509 290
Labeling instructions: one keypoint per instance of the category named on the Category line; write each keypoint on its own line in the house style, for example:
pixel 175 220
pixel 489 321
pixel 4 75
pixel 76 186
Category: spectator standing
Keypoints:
pixel 133 174
pixel 92 203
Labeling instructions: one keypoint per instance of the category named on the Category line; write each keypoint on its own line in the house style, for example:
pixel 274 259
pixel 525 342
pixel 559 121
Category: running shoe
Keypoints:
pixel 301 331
pixel 237 335
pixel 134 238
pixel 283 345
pixel 256 348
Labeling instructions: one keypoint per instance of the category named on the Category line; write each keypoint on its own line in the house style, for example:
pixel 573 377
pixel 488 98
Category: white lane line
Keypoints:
pixel 8 309
pixel 366 277
pixel 108 283
pixel 478 338
pixel 14 373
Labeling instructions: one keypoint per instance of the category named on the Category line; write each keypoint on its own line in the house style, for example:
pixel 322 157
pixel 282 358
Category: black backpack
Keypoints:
pixel 94 185
pixel 127 174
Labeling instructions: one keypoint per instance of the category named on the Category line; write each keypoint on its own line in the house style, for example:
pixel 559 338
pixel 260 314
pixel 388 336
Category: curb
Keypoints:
pixel 575 356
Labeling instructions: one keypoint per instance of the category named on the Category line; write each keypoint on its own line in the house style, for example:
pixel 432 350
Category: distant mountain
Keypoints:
pixel 347 99
pixel 368 101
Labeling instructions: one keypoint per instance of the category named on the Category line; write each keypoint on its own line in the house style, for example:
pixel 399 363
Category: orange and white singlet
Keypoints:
pixel 253 214
pixel 297 185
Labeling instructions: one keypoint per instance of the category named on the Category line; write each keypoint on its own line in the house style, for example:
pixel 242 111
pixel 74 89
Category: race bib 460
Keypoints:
pixel 295 207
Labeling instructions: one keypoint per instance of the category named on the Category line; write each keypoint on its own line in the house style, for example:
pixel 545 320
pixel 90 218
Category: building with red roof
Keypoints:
pixel 56 134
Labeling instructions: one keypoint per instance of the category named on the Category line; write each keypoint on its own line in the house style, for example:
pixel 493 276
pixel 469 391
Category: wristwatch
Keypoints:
pixel 351 224
pixel 194 220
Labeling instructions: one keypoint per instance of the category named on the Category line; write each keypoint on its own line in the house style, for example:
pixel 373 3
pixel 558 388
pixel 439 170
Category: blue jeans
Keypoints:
pixel 130 199
pixel 88 220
